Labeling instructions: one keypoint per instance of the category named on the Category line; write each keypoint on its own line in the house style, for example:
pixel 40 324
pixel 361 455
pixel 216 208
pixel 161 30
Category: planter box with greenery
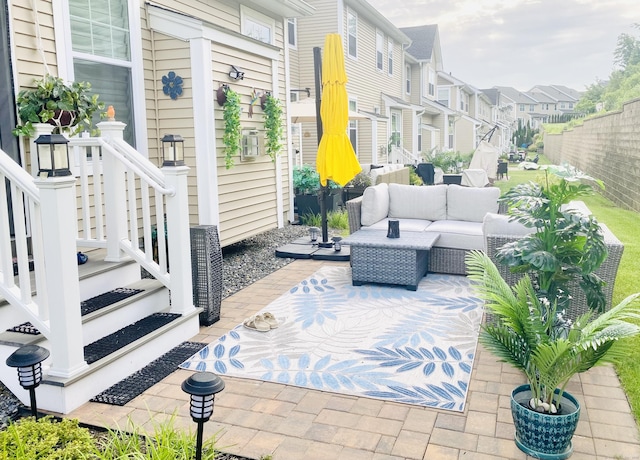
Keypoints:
pixel 356 186
pixel 528 325
pixel 306 185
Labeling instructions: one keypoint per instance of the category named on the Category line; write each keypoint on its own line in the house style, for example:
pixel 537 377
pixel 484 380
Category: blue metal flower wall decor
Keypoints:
pixel 172 85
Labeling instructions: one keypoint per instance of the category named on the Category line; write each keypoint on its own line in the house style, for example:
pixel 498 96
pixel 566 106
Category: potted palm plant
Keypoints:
pixel 530 333
pixel 69 107
pixel 532 325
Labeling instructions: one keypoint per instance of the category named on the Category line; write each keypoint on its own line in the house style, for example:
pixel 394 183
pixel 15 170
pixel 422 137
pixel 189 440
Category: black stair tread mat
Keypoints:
pixel 106 299
pixel 110 343
pixel 86 307
pixel 134 385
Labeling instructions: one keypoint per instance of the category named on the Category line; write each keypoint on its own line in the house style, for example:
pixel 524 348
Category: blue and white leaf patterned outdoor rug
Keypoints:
pixel 374 341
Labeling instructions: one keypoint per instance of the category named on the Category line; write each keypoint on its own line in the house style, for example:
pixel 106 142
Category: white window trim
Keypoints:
pixel 260 18
pixel 407 79
pixel 379 36
pixel 390 61
pixel 350 12
pixel 355 122
pixel 64 51
pixel 295 33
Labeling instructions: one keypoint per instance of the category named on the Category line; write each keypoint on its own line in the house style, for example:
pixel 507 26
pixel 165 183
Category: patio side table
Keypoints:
pixel 378 259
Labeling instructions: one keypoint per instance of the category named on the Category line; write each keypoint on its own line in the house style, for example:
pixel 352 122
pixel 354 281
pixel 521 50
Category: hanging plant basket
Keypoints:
pixel 221 95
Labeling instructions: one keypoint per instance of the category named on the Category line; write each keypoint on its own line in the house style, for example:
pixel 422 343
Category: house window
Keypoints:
pixel 407 76
pixel 100 46
pixel 352 34
pixel 464 101
pixel 292 32
pixel 353 126
pixel 379 51
pixel 432 82
pixel 256 25
pixel 451 132
pixel 419 139
pixel 443 96
pixel 390 57
pixel 570 105
pixel 521 107
pixel 532 107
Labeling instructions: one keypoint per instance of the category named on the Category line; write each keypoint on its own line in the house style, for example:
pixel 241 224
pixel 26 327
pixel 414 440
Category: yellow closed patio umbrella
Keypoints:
pixel 336 159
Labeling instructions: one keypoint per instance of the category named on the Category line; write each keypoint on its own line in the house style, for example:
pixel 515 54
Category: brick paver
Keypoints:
pixel 254 418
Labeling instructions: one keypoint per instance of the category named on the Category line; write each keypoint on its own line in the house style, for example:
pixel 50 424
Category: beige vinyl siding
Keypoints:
pixel 247 191
pixel 408 127
pixel 464 135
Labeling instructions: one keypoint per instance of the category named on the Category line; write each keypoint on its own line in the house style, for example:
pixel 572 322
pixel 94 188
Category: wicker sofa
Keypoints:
pixel 389 173
pixel 483 218
pixel 455 212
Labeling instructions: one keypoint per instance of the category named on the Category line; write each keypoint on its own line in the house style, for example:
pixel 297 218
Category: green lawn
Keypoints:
pixel 624 225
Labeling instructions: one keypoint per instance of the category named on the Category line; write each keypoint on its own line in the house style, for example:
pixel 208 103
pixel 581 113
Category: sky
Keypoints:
pixel 522 43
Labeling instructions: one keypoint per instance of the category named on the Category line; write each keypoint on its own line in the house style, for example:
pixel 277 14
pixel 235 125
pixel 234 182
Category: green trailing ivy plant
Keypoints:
pixel 232 135
pixel 273 126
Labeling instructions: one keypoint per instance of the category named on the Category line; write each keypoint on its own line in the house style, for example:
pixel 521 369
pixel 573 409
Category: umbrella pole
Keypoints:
pixel 317 67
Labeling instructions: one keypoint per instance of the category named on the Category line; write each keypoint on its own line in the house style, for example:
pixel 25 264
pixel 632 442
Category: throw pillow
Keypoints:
pixel 415 202
pixel 471 203
pixel 375 204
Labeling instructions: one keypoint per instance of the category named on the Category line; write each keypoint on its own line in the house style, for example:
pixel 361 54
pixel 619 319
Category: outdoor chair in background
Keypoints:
pixel 503 170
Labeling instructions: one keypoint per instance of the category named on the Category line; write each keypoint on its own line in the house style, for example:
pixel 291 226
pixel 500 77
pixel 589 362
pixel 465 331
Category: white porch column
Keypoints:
pixel 59 221
pixel 40 128
pixel 115 198
pixel 179 238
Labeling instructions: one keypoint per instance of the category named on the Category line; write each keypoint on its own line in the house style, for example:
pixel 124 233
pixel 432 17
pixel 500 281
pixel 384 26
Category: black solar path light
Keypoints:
pixel 203 387
pixel 28 359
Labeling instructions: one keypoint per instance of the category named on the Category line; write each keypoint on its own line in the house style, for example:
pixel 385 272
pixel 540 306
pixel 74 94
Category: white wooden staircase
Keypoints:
pixel 122 198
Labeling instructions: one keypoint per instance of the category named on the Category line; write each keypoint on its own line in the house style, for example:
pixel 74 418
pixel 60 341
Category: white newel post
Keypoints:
pixel 115 198
pixel 59 223
pixel 40 129
pixel 179 239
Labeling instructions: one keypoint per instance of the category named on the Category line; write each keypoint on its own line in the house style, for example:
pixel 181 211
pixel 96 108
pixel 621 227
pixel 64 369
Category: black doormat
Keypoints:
pixel 112 342
pixel 86 307
pixel 134 385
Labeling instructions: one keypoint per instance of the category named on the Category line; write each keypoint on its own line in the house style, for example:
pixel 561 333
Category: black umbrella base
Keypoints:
pixel 302 248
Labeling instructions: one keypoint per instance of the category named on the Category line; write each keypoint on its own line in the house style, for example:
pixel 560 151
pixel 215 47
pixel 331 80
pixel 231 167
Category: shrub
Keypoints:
pixel 45 438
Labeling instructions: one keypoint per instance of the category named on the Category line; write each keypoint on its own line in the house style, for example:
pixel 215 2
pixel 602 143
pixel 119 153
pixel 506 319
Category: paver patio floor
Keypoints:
pixel 253 418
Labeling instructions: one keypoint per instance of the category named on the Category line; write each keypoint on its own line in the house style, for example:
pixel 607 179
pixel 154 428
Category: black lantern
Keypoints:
pixel 337 243
pixel 202 386
pixel 53 155
pixel 172 150
pixel 314 232
pixel 236 74
pixel 28 359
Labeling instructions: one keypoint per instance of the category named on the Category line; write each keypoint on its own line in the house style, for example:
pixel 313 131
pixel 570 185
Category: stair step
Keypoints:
pixel 129 334
pixel 134 385
pixel 86 307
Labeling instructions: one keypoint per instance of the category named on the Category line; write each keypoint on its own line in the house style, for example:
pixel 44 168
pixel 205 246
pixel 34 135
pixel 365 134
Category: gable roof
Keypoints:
pixel 515 95
pixel 423 40
pixel 558 92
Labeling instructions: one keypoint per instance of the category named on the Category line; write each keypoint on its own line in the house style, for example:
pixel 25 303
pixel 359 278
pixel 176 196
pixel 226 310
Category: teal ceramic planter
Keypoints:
pixel 544 436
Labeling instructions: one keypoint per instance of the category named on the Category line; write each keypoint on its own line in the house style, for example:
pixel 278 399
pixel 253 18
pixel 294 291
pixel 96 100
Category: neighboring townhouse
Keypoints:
pixel 374 65
pixel 436 115
pixel 503 111
pixel 124 51
pixel 526 105
pixel 563 99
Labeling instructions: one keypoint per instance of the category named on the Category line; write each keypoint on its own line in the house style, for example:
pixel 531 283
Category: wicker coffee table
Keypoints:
pixel 378 259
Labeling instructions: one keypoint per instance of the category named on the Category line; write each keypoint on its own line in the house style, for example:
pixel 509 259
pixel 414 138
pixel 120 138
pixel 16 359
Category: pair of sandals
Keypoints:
pixel 262 322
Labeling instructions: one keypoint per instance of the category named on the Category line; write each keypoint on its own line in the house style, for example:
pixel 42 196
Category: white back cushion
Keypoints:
pixel 471 203
pixel 500 224
pixel 416 202
pixel 375 204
